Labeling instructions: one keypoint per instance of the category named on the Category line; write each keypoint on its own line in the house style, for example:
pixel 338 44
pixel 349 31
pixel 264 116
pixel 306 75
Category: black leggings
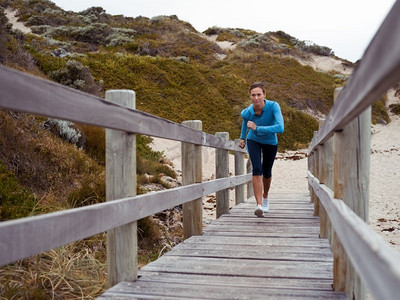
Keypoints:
pixel 268 153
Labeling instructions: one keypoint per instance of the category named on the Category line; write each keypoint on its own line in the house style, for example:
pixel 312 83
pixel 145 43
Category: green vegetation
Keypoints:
pixel 15 200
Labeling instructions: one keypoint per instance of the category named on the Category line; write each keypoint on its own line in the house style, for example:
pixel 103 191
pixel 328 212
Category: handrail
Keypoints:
pixel 21 238
pixel 29 94
pixel 377 263
pixel 57 101
pixel 378 71
pixel 339 172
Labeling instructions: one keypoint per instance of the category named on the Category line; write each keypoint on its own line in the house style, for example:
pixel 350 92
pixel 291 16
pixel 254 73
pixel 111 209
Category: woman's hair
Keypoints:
pixel 257 84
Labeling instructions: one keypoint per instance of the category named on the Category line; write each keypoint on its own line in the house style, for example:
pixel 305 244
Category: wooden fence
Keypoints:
pixel 339 172
pixel 29 236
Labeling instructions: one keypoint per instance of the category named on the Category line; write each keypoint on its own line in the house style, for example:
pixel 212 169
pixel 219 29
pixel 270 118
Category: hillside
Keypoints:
pixel 177 73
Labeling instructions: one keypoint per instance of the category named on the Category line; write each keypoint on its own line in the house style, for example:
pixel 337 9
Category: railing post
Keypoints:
pixel 120 183
pixel 222 170
pixel 325 177
pixel 250 191
pixel 315 170
pixel 239 170
pixel 351 182
pixel 339 254
pixel 192 173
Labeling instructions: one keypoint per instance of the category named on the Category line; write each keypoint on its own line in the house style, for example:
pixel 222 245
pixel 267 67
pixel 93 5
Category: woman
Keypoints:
pixel 262 120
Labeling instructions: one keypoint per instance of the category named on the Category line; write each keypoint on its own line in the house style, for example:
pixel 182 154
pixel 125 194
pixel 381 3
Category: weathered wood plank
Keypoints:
pixel 382 272
pixel 239 170
pixel 26 93
pixel 128 290
pixel 260 227
pixel 320 250
pixel 242 267
pixel 225 264
pixel 192 212
pixel 210 280
pixel 121 174
pixel 25 237
pixel 262 253
pixel 221 171
pixel 256 240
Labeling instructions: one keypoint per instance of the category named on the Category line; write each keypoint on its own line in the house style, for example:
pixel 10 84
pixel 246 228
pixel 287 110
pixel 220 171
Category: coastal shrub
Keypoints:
pixel 5 29
pixel 305 46
pixel 232 32
pixel 258 41
pixel 15 200
pixel 12 52
pixel 94 144
pixel 94 10
pixel 120 36
pixel 379 112
pixel 91 191
pixel 299 129
pixel 308 46
pixel 94 33
pixel 66 131
pixel 77 76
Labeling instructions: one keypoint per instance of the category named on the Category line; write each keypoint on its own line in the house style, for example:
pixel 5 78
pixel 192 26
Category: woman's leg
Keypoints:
pixel 267 185
pixel 269 154
pixel 258 188
pixel 254 149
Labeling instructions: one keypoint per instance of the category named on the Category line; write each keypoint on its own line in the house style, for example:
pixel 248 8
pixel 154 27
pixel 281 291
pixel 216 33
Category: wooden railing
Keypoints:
pixel 339 172
pixel 29 236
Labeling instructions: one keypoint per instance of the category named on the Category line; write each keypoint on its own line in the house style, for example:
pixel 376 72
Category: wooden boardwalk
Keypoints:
pixel 240 256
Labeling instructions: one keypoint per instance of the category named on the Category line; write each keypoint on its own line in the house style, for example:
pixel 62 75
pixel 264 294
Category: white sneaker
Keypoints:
pixel 259 211
pixel 265 205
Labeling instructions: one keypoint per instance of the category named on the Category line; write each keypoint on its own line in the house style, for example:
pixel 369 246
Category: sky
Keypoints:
pixel 345 26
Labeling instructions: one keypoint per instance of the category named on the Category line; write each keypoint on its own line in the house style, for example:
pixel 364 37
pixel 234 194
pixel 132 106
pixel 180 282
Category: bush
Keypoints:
pixel 66 131
pixel 379 112
pixel 92 191
pixel 77 76
pixel 15 200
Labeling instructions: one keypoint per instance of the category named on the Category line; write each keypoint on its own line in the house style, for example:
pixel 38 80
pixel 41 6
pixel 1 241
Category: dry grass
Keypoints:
pixel 74 271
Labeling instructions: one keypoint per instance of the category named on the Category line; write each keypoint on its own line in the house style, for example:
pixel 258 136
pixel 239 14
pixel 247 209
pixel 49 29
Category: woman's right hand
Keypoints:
pixel 242 144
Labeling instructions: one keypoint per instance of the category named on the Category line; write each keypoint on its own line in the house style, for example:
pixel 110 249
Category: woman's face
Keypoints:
pixel 257 96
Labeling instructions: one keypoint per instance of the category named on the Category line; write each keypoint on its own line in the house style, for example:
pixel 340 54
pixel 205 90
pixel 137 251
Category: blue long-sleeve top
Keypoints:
pixel 269 123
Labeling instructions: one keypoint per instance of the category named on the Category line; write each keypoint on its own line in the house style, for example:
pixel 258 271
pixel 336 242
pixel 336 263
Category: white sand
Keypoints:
pixel 326 64
pixel 14 21
pixel 384 208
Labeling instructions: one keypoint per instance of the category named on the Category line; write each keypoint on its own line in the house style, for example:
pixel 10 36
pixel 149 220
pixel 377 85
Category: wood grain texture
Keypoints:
pixel 222 171
pixel 26 93
pixel 377 263
pixel 121 182
pixel 240 256
pixel 29 236
pixel 239 170
pixel 192 173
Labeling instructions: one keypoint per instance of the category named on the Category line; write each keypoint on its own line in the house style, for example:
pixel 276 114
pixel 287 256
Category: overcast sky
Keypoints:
pixel 345 26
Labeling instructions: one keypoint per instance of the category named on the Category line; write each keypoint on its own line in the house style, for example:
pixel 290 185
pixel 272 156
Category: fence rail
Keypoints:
pixel 338 173
pixel 29 236
pixel 26 93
